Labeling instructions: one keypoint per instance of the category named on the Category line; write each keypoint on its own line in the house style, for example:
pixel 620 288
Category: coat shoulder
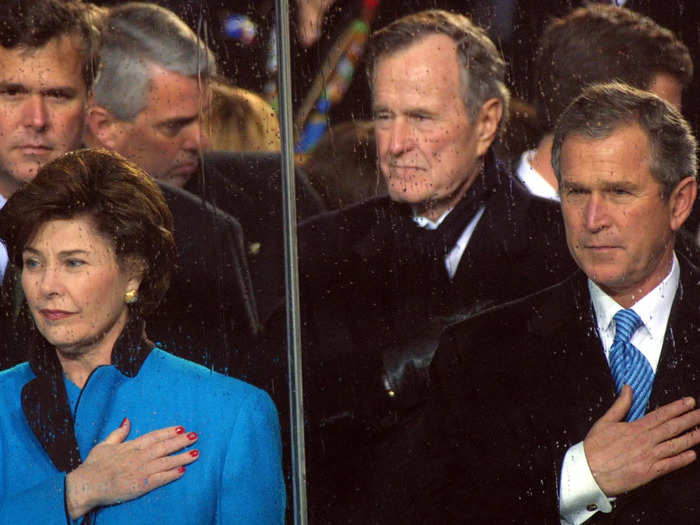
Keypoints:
pixel 212 389
pixel 365 213
pixel 333 233
pixel 258 176
pixel 516 324
pixel 13 379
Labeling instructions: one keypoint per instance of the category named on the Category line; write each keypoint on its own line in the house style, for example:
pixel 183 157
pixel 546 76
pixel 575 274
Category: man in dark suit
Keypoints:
pixel 539 405
pixel 149 100
pixel 379 280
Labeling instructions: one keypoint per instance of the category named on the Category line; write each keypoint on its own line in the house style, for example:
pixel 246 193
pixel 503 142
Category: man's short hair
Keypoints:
pixel 137 36
pixel 603 108
pixel 482 71
pixel 602 43
pixel 33 24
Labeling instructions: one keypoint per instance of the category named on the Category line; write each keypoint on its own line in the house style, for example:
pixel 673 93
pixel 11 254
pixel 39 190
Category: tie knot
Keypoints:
pixel 626 323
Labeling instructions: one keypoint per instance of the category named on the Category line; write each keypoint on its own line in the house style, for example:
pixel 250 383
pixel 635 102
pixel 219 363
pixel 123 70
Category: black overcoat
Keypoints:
pixel 519 385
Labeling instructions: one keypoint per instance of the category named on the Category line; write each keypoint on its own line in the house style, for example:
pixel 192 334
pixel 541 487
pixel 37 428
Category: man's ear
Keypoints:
pixel 103 129
pixel 681 201
pixel 486 125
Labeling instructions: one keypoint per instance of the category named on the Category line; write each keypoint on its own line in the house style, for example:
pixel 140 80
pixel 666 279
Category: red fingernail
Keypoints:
pixel 192 436
pixel 123 422
pixel 181 469
pixel 179 430
pixel 194 453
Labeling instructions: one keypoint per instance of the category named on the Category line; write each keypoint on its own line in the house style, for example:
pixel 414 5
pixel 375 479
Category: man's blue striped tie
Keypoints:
pixel 628 365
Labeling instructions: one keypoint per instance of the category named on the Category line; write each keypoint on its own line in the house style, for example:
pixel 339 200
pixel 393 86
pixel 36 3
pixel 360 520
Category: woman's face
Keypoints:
pixel 75 287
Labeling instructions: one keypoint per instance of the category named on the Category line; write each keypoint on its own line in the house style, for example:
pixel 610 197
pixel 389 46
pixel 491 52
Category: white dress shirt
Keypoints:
pixel 579 494
pixel 455 254
pixel 533 181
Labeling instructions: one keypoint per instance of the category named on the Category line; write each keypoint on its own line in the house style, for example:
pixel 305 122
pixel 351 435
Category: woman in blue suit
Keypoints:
pixel 101 426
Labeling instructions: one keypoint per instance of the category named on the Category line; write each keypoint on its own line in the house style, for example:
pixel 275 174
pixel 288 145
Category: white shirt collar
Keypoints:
pixel 533 181
pixel 454 256
pixel 427 223
pixel 654 310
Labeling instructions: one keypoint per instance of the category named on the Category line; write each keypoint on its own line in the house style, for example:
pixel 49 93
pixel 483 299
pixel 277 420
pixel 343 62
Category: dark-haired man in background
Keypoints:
pixel 593 44
pixel 42 107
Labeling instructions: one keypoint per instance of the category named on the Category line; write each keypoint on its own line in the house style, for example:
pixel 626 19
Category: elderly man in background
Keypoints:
pixel 379 280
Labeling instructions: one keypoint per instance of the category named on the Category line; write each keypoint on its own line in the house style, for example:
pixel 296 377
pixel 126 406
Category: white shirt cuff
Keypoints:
pixel 580 496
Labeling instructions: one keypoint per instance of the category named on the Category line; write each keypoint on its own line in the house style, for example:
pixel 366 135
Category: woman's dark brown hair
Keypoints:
pixel 121 200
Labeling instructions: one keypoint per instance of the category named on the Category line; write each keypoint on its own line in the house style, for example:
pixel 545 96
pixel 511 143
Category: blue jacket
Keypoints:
pixel 237 478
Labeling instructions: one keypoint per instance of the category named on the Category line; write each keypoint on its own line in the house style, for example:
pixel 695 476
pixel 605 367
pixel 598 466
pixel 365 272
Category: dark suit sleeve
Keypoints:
pixel 488 442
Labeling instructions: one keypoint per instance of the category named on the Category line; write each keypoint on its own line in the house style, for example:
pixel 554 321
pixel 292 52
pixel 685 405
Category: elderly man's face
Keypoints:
pixel 619 226
pixel 166 137
pixel 43 99
pixel 429 149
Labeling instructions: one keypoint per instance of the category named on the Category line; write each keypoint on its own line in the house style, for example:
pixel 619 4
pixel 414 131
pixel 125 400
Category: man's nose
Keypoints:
pixel 401 138
pixel 196 137
pixel 35 114
pixel 595 213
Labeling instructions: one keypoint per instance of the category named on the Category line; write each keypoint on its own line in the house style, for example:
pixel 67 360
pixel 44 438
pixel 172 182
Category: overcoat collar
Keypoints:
pixel 680 357
pixel 389 214
pixel 45 401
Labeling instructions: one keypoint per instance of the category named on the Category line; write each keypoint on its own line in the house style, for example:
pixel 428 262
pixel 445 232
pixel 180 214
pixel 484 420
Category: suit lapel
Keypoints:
pixel 45 401
pixel 679 366
pixel 567 326
pixel 677 375
pixel 497 233
pixel 480 273
pixel 45 407
pixel 581 376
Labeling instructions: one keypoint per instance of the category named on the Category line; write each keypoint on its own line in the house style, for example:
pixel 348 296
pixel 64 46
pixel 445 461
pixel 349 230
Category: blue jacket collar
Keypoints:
pixel 44 398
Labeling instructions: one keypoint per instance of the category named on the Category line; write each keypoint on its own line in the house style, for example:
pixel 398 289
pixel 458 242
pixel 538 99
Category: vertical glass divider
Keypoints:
pixel 294 369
